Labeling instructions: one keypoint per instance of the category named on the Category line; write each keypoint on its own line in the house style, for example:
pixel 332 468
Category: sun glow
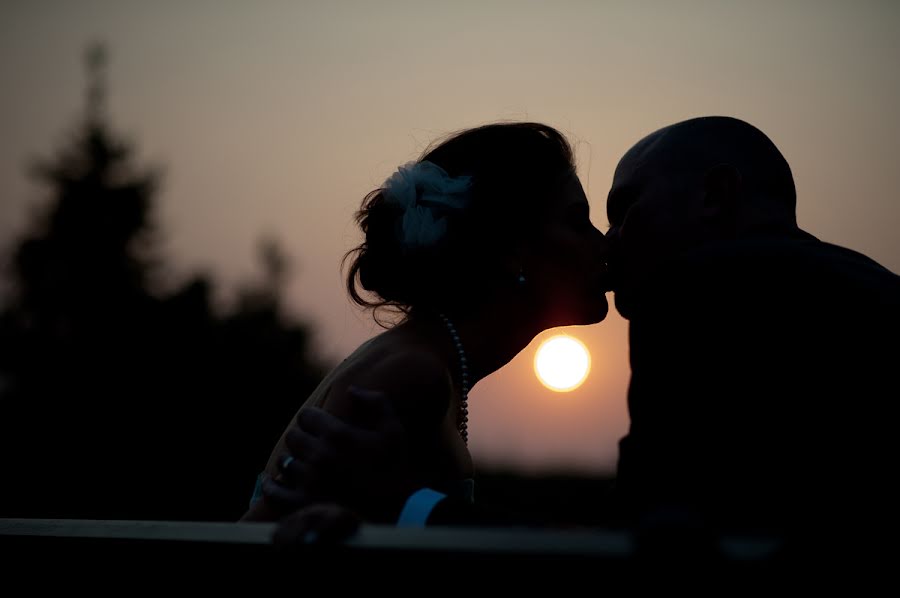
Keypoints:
pixel 562 363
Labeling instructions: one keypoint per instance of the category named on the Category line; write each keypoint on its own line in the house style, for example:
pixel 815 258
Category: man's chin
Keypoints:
pixel 623 304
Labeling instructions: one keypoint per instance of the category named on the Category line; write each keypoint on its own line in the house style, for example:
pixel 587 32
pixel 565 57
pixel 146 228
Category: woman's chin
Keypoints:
pixel 583 315
pixel 599 312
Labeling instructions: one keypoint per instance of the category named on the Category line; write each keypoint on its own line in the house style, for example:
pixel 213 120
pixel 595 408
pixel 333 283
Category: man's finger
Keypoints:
pixel 372 405
pixel 317 422
pixel 306 448
pixel 282 496
pixel 295 473
pixel 293 530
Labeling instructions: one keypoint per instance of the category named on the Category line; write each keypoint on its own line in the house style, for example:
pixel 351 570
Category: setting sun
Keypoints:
pixel 562 363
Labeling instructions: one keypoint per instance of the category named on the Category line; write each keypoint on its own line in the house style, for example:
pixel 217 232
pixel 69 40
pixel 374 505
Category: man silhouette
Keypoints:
pixel 762 358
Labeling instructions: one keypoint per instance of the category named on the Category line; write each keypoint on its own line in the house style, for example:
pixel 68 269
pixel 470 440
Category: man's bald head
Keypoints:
pixel 696 182
pixel 701 144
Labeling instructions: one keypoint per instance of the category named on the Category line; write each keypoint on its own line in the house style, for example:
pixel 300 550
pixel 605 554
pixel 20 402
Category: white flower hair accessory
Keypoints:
pixel 425 192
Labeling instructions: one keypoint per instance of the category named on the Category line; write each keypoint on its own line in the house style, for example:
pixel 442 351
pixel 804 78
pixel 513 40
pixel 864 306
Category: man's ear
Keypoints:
pixel 721 194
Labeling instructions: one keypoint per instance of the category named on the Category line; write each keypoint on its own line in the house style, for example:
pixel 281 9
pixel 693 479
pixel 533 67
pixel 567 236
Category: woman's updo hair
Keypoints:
pixel 515 170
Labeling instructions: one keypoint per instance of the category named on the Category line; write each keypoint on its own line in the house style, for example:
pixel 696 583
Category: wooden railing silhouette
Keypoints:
pixel 576 548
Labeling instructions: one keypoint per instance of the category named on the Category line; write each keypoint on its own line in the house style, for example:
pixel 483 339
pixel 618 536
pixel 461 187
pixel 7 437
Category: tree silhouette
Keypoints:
pixel 118 400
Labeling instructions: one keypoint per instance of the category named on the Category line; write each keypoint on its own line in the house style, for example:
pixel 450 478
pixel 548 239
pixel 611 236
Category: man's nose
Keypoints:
pixel 613 235
pixel 602 242
pixel 613 242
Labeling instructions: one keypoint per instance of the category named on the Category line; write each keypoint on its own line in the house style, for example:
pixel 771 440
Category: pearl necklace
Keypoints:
pixel 462 416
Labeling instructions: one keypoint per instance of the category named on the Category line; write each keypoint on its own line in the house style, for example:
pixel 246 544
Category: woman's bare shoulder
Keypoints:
pixel 415 379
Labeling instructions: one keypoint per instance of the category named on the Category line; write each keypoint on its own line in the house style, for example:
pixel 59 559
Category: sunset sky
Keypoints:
pixel 276 118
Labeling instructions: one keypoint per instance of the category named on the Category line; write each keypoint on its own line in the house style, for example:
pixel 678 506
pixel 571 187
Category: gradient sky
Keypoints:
pixel 276 118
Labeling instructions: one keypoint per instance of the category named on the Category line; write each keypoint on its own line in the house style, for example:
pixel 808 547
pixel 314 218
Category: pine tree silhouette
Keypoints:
pixel 118 400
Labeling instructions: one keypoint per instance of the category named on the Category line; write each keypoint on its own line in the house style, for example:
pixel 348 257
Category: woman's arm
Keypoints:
pixel 364 443
pixel 406 400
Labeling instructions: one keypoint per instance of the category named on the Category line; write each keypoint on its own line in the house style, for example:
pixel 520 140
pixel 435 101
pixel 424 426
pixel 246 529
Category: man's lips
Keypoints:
pixel 604 278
